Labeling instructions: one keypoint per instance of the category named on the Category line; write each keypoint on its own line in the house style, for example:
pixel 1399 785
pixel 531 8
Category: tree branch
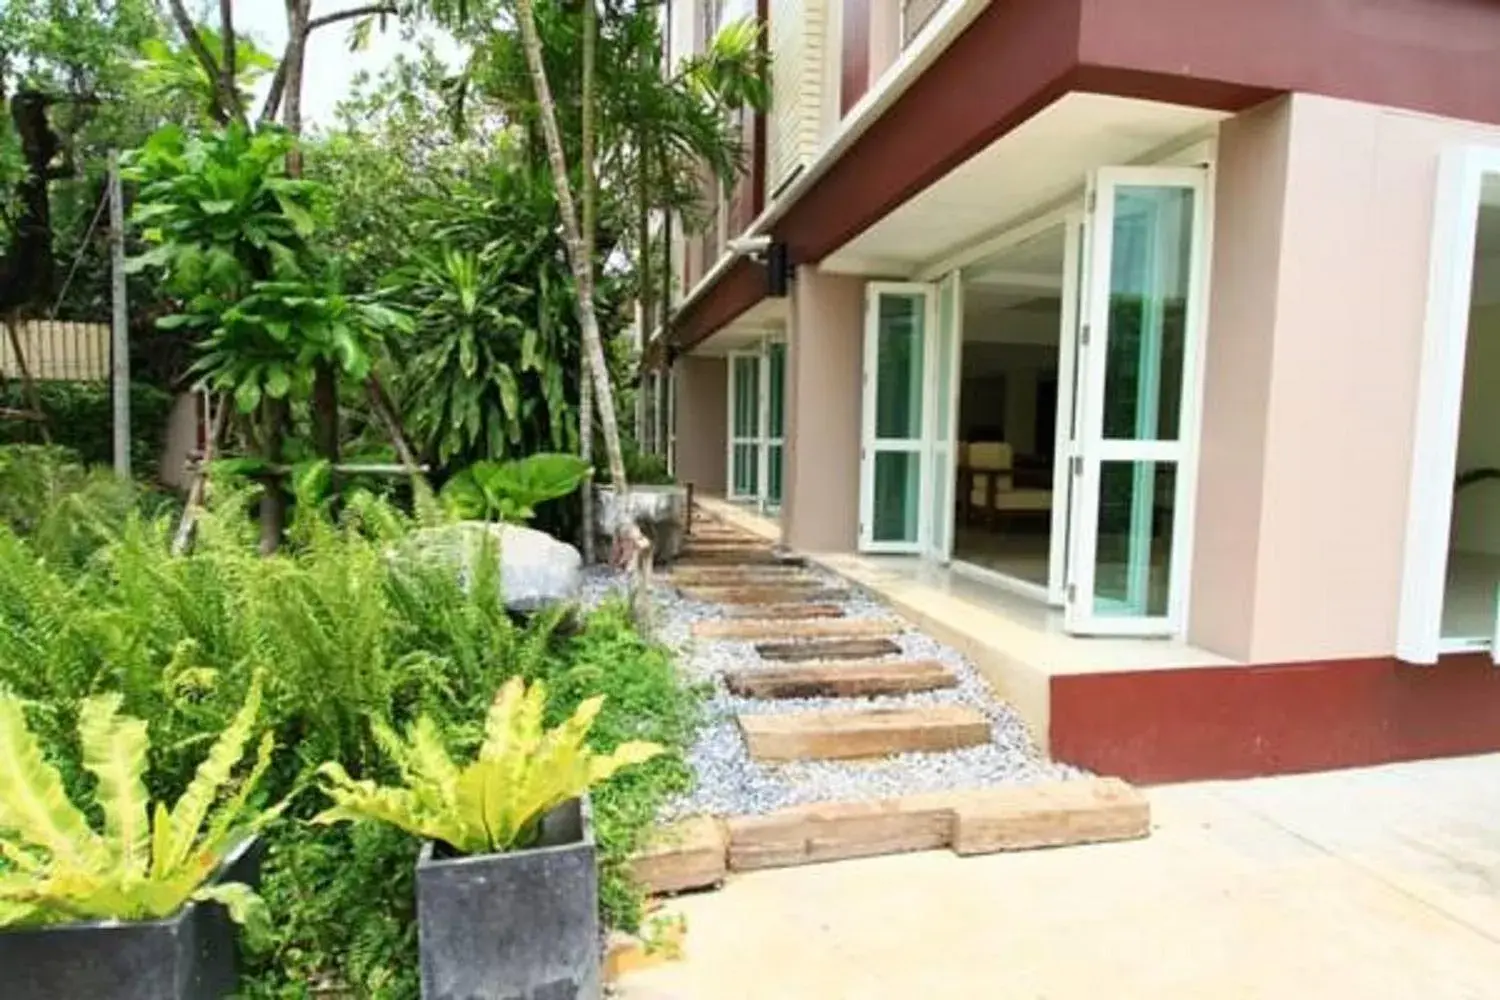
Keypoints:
pixel 227 70
pixel 277 90
pixel 223 105
pixel 344 15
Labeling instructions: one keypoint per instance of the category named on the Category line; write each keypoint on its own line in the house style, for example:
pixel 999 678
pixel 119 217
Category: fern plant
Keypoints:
pixel 497 802
pixel 147 862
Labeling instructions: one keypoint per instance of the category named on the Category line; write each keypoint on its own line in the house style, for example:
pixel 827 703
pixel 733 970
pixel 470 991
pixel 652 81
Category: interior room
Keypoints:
pixel 1470 600
pixel 1007 409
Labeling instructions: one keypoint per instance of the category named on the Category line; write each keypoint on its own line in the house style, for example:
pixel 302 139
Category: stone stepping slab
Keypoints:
pixel 861 679
pixel 844 628
pixel 874 732
pixel 828 649
pixel 770 611
pixel 970 822
pixel 781 594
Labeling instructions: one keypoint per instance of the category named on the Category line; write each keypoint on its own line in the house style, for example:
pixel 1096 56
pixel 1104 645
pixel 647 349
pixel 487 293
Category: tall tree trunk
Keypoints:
pixel 631 546
pixel 585 387
pixel 274 414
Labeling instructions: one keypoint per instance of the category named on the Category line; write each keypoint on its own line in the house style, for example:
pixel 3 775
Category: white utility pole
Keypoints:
pixel 119 367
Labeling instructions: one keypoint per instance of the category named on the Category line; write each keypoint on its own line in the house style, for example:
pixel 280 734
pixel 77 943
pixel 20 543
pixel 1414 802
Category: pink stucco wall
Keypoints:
pixel 1322 226
pixel 702 422
pixel 820 512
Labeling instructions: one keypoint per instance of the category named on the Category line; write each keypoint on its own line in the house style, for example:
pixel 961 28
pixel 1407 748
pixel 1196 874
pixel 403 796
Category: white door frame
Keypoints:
pixel 1081 613
pixel 1445 339
pixel 942 459
pixel 1065 448
pixel 869 445
pixel 731 489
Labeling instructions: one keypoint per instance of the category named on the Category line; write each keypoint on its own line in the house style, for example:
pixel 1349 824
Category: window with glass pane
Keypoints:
pixel 1150 266
pixel 773 475
pixel 1133 562
pixel 900 343
pixel 898 485
pixel 776 417
pixel 746 396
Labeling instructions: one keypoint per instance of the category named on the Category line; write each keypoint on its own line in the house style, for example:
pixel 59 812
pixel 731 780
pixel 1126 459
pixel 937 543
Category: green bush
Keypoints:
pixel 346 629
pixel 81 418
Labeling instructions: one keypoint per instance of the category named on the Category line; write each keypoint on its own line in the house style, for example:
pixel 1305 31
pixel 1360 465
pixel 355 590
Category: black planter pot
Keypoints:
pixel 187 957
pixel 518 926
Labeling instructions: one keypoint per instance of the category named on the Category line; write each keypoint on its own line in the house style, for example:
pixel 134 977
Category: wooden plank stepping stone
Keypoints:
pixel 689 854
pixel 875 732
pixel 861 679
pixel 769 592
pixel 739 576
pixel 844 628
pixel 768 611
pixel 827 649
pixel 738 557
pixel 976 821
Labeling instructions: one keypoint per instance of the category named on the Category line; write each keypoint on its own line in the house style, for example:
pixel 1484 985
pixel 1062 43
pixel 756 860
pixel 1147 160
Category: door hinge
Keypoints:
pixel 1072 592
pixel 1077 461
pixel 1083 335
pixel 1093 200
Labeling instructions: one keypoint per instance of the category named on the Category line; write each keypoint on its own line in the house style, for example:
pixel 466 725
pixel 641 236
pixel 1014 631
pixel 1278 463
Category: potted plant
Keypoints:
pixel 145 908
pixel 507 889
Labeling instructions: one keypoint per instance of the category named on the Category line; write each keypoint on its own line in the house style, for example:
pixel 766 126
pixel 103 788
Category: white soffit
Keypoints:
pixel 1039 164
pixel 767 318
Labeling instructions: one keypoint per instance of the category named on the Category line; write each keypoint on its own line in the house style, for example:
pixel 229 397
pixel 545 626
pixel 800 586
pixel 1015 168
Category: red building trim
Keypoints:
pixel 739 288
pixel 1019 55
pixel 1235 722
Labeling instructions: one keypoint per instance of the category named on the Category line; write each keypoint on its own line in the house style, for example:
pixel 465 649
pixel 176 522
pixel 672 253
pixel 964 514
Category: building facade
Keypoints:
pixel 1174 317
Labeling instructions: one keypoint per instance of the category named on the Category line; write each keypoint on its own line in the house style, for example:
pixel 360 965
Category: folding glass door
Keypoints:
pixel 897 427
pixel 757 420
pixel 1139 344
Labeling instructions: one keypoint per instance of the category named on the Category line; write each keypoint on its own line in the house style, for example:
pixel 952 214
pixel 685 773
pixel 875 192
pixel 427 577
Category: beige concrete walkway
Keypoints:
pixel 1382 883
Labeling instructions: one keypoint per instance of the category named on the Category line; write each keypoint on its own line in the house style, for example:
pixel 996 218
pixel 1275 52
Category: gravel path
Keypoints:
pixel 730 783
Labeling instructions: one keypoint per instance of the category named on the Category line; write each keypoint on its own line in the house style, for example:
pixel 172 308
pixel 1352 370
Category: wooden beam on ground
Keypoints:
pixel 842 628
pixel 841 680
pixel 875 732
pixel 827 649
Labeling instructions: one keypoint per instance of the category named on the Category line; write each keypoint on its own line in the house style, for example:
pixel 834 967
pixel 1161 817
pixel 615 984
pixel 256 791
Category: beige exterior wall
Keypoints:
pixel 1313 347
pixel 702 418
pixel 820 512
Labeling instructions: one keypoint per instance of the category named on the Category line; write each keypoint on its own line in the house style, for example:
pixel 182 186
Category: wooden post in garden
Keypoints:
pixel 119 365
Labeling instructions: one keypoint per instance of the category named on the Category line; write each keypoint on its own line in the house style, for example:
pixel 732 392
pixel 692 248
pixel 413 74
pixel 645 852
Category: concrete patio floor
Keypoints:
pixel 1376 883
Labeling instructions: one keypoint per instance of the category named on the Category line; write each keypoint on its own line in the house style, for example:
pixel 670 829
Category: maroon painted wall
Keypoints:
pixel 1234 722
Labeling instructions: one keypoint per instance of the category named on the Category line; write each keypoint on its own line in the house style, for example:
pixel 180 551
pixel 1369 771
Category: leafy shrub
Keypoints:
pixel 511 491
pixel 496 803
pixel 345 632
pixel 81 419
pixel 146 863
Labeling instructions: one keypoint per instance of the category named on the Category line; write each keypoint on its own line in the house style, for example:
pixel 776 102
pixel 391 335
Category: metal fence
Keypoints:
pixel 58 351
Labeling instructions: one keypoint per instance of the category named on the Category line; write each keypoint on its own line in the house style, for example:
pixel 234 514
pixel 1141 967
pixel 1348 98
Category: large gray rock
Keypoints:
pixel 536 570
pixel 659 511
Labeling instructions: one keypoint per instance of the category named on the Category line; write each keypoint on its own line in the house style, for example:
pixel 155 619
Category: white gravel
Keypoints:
pixel 730 783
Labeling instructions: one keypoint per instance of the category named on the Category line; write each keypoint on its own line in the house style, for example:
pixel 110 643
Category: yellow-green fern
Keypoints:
pixel 495 803
pixel 146 863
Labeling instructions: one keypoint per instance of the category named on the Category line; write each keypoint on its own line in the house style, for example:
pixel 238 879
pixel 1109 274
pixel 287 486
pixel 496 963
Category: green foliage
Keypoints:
pixel 346 630
pixel 511 491
pixel 169 72
pixel 81 418
pixel 67 511
pixel 496 803
pixel 145 863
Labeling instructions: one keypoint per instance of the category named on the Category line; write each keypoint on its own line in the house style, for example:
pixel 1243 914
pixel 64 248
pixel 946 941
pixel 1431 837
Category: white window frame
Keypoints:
pixel 671 429
pixel 760 439
pixel 755 439
pixel 1445 339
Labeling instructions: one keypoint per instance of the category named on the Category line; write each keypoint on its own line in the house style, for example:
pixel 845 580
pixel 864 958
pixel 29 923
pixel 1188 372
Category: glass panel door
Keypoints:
pixel 1140 345
pixel 744 426
pixel 893 481
pixel 946 345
